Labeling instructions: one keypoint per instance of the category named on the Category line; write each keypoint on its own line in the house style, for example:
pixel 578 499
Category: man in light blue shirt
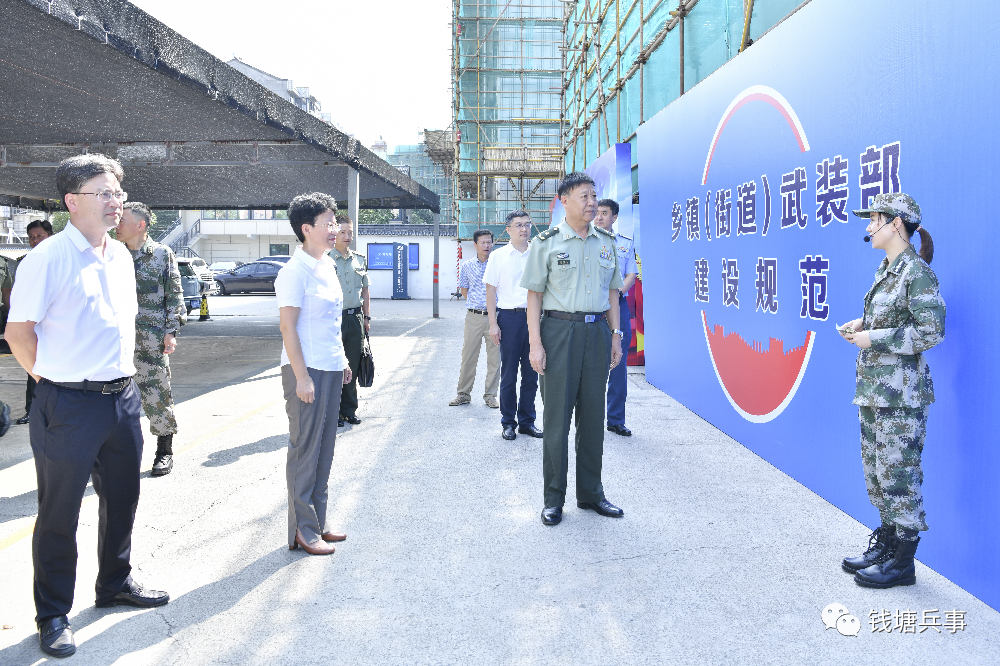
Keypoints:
pixel 607 213
pixel 477 326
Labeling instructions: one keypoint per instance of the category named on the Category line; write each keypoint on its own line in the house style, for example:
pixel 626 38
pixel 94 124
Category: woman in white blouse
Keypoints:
pixel 313 368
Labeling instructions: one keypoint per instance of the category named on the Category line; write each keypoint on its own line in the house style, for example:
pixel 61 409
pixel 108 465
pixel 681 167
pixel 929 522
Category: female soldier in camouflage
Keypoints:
pixel 903 317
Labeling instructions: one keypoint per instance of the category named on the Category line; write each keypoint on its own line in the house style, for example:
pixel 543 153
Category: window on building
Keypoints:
pixel 208 214
pixel 279 249
pixel 259 214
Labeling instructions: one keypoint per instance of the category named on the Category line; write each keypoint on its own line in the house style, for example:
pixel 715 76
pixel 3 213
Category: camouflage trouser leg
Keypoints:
pixel 892 439
pixel 152 375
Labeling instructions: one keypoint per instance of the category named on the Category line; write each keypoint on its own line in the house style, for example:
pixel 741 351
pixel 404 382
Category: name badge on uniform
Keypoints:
pixel 563 258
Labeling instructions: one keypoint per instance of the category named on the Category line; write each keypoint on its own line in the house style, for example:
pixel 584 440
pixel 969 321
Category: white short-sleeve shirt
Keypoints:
pixel 503 271
pixel 84 307
pixel 312 286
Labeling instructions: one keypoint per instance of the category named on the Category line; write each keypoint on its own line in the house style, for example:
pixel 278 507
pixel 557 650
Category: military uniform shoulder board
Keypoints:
pixel 604 231
pixel 547 234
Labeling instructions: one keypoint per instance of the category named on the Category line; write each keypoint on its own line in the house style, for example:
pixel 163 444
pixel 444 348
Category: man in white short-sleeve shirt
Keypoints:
pixel 72 327
pixel 507 303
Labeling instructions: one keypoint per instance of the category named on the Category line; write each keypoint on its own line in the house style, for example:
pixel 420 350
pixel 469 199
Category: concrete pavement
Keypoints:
pixel 720 559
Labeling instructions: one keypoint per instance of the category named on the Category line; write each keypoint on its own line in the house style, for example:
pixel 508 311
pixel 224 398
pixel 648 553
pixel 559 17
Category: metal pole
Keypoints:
pixel 680 16
pixel 746 24
pixel 353 202
pixel 437 261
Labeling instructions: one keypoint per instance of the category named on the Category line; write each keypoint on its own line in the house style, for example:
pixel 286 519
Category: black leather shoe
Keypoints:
pixel 162 464
pixel 22 421
pixel 135 595
pixel 878 549
pixel 604 507
pixel 5 420
pixel 530 430
pixel 509 433
pixel 552 515
pixel 340 423
pixel 55 637
pixel 620 430
pixel 896 569
pixel 353 420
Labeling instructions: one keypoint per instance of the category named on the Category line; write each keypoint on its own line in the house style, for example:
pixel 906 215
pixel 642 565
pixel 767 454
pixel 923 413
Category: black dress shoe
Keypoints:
pixel 552 515
pixel 604 507
pixel 5 420
pixel 162 464
pixel 509 433
pixel 340 423
pixel 353 420
pixel 530 430
pixel 55 637
pixel 22 421
pixel 620 430
pixel 135 595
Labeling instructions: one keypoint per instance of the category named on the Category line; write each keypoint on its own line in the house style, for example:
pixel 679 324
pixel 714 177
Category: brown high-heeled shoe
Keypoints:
pixel 333 536
pixel 322 549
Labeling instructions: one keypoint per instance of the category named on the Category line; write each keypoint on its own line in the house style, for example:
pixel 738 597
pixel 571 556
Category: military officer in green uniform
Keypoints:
pixel 161 314
pixel 572 279
pixel 352 269
pixel 903 317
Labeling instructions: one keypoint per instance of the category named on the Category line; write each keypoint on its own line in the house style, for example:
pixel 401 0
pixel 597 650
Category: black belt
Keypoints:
pixel 589 317
pixel 482 312
pixel 353 311
pixel 513 309
pixel 107 388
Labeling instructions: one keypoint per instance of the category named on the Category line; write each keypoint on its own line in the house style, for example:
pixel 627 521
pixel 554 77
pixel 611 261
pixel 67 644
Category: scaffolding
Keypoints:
pixel 628 59
pixel 508 64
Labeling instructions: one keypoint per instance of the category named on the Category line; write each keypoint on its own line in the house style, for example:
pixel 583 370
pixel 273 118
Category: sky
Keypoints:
pixel 381 67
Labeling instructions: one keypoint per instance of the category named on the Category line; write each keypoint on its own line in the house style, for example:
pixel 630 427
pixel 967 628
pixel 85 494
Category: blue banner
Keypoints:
pixel 752 254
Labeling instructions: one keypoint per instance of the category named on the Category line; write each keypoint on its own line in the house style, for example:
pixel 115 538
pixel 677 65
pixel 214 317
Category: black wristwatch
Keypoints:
pixel 367 318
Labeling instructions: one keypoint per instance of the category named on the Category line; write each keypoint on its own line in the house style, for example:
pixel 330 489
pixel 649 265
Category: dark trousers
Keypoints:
pixel 618 380
pixel 353 334
pixel 29 394
pixel 514 355
pixel 577 359
pixel 76 436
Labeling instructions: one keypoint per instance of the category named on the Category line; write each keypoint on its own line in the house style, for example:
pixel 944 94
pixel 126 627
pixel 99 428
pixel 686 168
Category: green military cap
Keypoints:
pixel 894 204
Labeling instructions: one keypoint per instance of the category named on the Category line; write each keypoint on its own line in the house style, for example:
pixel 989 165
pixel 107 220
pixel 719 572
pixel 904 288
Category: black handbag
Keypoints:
pixel 366 368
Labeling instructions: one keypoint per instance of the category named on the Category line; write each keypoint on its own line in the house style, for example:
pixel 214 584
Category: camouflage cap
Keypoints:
pixel 895 203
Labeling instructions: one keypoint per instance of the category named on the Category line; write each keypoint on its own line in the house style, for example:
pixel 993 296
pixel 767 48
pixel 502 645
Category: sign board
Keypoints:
pixel 400 269
pixel 752 254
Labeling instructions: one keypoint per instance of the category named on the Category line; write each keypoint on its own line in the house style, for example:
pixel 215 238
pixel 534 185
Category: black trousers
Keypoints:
pixel 352 332
pixel 76 436
pixel 513 356
pixel 29 393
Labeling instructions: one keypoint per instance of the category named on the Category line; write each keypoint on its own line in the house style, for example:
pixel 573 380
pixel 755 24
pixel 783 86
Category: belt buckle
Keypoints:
pixel 590 319
pixel 116 387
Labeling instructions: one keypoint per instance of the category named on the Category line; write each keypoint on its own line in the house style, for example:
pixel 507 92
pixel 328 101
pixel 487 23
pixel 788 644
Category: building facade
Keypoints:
pixel 284 88
pixel 426 172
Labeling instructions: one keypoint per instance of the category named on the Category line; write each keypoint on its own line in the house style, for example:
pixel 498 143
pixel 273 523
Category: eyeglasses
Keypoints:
pixel 105 196
pixel 524 225
pixel 333 226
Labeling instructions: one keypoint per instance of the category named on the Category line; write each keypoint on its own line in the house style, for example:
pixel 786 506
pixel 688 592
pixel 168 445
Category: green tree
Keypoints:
pixel 59 221
pixel 421 216
pixel 375 216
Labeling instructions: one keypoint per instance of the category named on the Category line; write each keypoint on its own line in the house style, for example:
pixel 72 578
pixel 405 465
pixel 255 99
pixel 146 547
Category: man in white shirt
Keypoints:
pixel 72 327
pixel 507 304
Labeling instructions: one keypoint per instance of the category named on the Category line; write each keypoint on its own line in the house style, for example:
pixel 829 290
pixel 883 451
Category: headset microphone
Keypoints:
pixel 867 239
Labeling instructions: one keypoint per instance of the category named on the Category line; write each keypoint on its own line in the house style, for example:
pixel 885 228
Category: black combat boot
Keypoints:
pixel 878 544
pixel 163 462
pixel 896 569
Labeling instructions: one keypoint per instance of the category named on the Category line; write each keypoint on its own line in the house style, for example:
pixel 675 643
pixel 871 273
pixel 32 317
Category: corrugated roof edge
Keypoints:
pixel 136 34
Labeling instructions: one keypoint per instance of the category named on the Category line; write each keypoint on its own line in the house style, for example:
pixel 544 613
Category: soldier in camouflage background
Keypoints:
pixel 903 317
pixel 161 314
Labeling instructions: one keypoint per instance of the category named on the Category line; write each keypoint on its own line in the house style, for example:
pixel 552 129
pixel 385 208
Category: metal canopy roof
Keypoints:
pixel 191 131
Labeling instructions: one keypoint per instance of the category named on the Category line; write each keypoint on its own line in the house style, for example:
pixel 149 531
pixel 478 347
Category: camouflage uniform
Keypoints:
pixel 161 311
pixel 904 315
pixel 5 283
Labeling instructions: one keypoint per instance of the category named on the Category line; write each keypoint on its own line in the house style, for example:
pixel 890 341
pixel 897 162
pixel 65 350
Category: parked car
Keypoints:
pixel 256 276
pixel 283 258
pixel 193 285
pixel 224 266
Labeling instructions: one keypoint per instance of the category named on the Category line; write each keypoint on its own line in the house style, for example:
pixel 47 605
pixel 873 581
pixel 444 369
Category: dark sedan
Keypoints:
pixel 254 277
